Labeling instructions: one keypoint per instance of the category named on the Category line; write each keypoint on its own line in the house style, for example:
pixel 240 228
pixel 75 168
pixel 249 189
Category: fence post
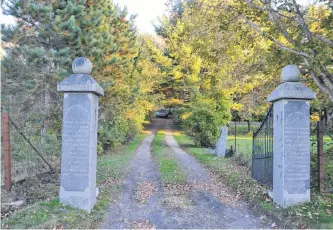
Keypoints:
pixel 320 151
pixel 6 150
pixel 235 137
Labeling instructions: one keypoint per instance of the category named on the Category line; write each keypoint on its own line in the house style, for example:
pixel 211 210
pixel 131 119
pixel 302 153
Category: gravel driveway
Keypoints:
pixel 209 203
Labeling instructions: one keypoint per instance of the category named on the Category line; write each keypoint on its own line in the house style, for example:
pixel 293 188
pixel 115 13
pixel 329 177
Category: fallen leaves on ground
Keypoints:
pixel 109 181
pixel 177 189
pixel 142 224
pixel 144 190
pixel 177 202
pixel 219 190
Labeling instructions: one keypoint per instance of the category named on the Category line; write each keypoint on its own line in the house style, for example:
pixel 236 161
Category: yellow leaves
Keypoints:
pixel 315 117
pixel 177 74
pixel 236 106
pixel 186 115
pixel 172 102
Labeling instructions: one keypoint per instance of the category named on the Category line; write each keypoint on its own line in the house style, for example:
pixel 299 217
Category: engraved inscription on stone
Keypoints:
pixel 76 146
pixel 297 142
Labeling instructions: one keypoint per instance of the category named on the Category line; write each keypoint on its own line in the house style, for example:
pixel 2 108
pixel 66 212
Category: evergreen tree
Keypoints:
pixel 35 59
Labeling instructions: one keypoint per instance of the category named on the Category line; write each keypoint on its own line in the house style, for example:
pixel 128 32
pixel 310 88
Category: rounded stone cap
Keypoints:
pixel 82 65
pixel 290 73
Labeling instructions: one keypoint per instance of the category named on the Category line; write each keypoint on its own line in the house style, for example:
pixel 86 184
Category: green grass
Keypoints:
pixel 169 169
pixel 314 214
pixel 244 147
pixel 52 214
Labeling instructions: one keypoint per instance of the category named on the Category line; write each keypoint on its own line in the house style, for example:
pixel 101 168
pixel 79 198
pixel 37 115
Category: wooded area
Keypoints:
pixel 213 60
pixel 211 66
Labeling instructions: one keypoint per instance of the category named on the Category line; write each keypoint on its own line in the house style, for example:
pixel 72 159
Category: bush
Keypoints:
pixel 202 120
pixel 115 133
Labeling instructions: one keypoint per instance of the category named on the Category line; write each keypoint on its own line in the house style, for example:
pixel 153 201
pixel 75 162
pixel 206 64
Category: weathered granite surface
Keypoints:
pixel 80 83
pixel 291 145
pixel 82 65
pixel 221 144
pixel 79 140
pixel 292 90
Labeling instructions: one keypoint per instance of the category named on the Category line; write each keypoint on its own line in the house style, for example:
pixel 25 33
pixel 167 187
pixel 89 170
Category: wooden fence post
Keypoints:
pixel 235 137
pixel 6 150
pixel 320 151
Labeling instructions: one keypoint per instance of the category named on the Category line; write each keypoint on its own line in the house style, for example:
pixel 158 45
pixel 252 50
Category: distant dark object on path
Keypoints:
pixel 163 113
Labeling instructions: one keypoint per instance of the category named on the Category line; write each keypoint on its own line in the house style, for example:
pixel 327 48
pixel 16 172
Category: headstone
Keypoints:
pixel 291 145
pixel 221 144
pixel 79 136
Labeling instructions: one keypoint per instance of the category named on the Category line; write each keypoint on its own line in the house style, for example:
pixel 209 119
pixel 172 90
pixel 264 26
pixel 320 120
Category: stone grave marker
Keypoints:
pixel 221 144
pixel 79 136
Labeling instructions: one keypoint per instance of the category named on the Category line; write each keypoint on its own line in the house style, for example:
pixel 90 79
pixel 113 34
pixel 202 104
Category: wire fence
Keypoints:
pixel 26 143
pixel 321 156
pixel 240 140
pixel 240 144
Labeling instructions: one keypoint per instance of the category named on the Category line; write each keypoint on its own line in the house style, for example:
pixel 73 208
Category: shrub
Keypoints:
pixel 115 133
pixel 202 120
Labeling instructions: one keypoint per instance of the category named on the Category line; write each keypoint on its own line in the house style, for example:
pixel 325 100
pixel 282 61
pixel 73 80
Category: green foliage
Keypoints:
pixel 114 133
pixel 201 121
pixel 39 53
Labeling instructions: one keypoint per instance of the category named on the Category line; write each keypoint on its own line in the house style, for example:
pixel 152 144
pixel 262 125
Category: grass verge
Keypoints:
pixel 52 214
pixel 315 214
pixel 169 169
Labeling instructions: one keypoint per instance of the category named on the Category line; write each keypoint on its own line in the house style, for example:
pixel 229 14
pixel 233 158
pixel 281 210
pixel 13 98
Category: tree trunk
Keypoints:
pixel 248 126
pixel 328 118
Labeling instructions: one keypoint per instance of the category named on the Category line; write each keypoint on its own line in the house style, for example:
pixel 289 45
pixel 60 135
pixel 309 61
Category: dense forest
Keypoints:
pixel 213 60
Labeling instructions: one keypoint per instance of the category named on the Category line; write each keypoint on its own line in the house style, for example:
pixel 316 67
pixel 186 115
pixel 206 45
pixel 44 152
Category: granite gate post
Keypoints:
pixel 79 136
pixel 291 133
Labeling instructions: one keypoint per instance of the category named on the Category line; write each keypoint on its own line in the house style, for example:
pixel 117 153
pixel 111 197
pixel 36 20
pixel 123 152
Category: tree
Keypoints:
pixel 35 60
pixel 49 35
pixel 214 57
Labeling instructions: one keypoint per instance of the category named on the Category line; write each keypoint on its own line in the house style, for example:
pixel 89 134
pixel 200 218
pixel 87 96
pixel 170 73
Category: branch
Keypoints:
pixel 301 20
pixel 300 53
pixel 318 81
pixel 323 39
pixel 281 27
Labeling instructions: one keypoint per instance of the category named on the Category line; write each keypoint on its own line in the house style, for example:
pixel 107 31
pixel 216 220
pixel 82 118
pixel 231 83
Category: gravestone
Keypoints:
pixel 79 136
pixel 291 133
pixel 221 144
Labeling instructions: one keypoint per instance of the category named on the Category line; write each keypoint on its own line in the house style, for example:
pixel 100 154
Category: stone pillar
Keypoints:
pixel 221 144
pixel 291 133
pixel 79 136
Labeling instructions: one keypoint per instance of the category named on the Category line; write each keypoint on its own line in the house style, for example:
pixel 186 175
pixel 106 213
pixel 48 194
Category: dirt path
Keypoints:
pixel 142 200
pixel 212 196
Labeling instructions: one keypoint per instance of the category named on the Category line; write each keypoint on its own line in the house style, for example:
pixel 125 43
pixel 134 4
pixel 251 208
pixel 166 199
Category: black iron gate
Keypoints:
pixel 262 151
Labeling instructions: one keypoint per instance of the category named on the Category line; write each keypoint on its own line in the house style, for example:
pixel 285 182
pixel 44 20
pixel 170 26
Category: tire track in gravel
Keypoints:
pixel 204 210
pixel 222 207
pixel 128 212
